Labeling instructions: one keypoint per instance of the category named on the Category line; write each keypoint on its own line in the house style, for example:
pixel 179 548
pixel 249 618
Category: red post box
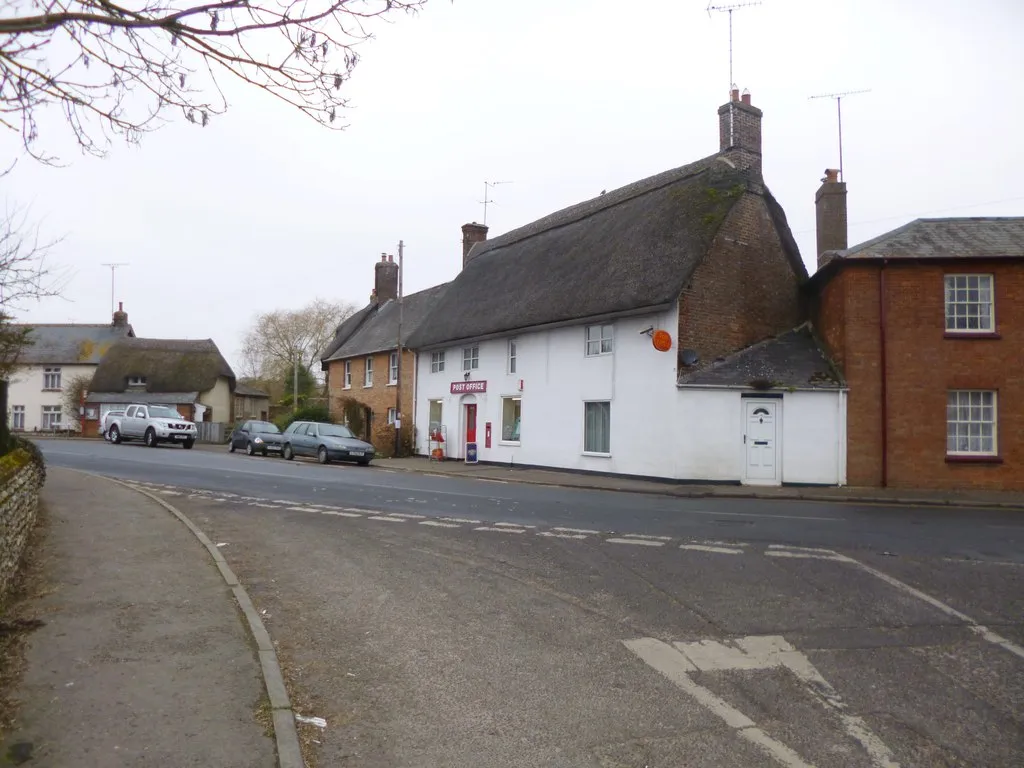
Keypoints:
pixel 487 435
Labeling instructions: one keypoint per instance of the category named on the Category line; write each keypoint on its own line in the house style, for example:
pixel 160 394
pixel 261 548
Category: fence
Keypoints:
pixel 212 431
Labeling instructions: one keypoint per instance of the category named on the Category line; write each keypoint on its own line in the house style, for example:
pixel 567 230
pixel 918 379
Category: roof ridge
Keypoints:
pixel 604 201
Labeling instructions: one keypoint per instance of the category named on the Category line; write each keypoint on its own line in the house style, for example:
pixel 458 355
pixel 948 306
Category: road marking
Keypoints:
pixel 646 536
pixel 440 524
pixel 808 556
pixel 563 535
pixel 461 520
pixel 407 515
pixel 170 493
pixel 819 550
pixel 265 506
pixel 388 519
pixel 712 548
pixel 513 525
pixel 340 513
pixel 675 666
pixel 302 509
pixel 753 653
pixel 760 514
pixel 575 530
pixel 640 542
pixel 979 629
pixel 500 530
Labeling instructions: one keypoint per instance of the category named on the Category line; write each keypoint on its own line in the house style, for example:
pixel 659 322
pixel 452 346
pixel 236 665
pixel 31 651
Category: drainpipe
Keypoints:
pixel 884 373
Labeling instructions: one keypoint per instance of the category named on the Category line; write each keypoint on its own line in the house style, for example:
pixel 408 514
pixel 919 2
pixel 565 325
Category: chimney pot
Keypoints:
pixel 385 279
pixel 734 94
pixel 745 98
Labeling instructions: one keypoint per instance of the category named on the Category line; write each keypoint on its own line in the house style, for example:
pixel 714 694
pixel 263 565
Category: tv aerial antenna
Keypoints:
pixel 732 83
pixel 839 113
pixel 113 268
pixel 729 9
pixel 487 200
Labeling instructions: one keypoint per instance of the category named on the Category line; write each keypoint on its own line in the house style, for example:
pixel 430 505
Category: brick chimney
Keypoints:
pixel 472 234
pixel 739 125
pixel 385 280
pixel 830 210
pixel 120 317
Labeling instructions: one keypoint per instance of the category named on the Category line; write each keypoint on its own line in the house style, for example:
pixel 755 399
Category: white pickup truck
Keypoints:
pixel 154 424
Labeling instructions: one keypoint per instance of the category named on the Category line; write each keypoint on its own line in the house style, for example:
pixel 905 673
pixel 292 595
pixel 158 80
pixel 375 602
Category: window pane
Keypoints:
pixel 511 412
pixel 597 427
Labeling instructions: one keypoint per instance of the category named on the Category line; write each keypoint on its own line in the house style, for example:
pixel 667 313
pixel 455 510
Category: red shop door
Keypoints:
pixel 471 423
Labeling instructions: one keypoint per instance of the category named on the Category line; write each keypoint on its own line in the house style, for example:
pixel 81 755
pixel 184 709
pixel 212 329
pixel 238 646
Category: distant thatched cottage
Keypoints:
pixel 189 375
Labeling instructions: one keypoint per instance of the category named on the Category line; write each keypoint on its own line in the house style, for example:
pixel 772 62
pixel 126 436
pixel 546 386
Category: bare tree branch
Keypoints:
pixel 276 339
pixel 114 70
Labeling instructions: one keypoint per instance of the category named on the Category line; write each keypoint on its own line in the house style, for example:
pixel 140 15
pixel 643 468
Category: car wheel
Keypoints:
pixel 364 462
pixel 249 450
pixel 151 437
pixel 321 455
pixel 286 452
pixel 187 445
pixel 114 435
pixel 231 446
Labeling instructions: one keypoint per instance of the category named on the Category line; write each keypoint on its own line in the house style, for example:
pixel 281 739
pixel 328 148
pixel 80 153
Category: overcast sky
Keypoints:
pixel 263 209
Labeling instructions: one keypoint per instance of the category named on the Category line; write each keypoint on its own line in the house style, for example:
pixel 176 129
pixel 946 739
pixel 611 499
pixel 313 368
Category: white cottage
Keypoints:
pixel 656 330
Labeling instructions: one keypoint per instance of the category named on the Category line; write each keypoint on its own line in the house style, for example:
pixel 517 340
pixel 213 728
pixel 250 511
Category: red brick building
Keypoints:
pixel 927 323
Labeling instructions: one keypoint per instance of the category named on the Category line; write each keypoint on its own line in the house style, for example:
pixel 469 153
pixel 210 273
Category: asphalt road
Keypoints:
pixel 975 534
pixel 451 622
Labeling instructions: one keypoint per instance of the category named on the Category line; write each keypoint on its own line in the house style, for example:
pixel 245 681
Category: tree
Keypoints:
pixel 114 68
pixel 276 339
pixel 73 393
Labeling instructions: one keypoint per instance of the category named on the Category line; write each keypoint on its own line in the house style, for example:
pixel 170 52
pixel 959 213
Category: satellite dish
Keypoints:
pixel 690 357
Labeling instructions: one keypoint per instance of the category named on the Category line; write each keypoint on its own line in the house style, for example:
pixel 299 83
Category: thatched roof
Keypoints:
pixel 169 365
pixel 630 250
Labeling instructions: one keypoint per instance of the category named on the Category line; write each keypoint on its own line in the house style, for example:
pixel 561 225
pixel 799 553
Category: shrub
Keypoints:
pixel 307 413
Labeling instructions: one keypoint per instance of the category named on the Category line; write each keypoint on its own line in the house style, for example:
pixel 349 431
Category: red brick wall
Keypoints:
pixel 922 365
pixel 378 398
pixel 745 289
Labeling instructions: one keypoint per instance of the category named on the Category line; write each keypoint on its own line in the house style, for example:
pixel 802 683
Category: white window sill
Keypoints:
pixel 367 386
pixel 599 455
pixel 509 442
pixel 348 386
pixel 392 383
pixel 601 354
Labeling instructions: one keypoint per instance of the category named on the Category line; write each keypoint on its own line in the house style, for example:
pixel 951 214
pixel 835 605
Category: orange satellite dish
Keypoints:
pixel 662 341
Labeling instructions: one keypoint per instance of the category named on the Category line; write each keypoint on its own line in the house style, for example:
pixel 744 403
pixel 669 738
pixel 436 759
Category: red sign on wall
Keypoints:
pixel 462 387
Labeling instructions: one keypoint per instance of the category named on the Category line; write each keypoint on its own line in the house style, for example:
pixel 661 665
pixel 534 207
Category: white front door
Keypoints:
pixel 760 438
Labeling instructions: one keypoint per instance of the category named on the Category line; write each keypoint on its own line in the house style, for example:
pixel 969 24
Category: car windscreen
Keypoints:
pixel 265 427
pixel 160 412
pixel 334 430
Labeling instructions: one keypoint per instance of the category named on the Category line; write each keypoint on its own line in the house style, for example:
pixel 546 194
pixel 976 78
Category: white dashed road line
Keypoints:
pixel 500 530
pixel 575 530
pixel 439 524
pixel 639 542
pixel 712 548
pixel 563 535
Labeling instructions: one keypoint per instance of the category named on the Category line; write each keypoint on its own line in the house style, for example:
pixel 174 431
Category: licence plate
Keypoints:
pixel 181 437
pixel 355 453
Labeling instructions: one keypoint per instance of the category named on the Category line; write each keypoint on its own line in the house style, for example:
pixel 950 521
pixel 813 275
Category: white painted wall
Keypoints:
pixel 657 430
pixel 26 388
pixel 218 399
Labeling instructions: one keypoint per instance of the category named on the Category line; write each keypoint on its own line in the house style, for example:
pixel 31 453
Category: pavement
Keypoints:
pixel 565 479
pixel 143 658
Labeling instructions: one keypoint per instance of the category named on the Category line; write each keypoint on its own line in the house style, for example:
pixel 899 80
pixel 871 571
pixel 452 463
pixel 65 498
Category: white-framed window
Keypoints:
pixel 970 304
pixel 393 368
pixel 470 358
pixel 368 373
pixel 391 415
pixel 348 375
pixel 599 340
pixel 597 427
pixel 435 410
pixel 512 355
pixel 51 378
pixel 971 423
pixel 136 381
pixel 437 362
pixel 511 415
pixel 18 417
pixel 51 416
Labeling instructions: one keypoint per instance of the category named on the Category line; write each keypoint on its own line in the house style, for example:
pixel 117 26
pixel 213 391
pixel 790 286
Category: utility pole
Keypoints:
pixel 295 383
pixel 839 110
pixel 398 353
pixel 113 266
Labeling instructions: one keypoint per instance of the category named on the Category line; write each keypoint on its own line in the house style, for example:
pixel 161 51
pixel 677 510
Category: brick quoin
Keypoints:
pixel 744 291
pixel 923 364
pixel 378 398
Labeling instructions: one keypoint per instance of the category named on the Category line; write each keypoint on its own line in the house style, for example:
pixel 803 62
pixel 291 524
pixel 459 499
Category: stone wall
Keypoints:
pixel 21 479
